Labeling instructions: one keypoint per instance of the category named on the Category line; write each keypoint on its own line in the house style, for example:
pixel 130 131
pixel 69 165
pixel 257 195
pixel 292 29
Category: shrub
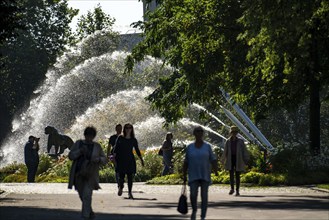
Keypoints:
pixel 13 168
pixel 178 157
pixel 289 159
pixel 251 177
pixel 142 175
pixel 172 179
pixel 313 177
pixel 223 177
pixel 107 175
pixel 271 180
pixel 52 178
pixel 15 178
pixel 45 162
pixel 152 163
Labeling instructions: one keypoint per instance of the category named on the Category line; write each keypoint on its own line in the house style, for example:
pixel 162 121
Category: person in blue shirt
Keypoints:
pixel 199 160
pixel 31 157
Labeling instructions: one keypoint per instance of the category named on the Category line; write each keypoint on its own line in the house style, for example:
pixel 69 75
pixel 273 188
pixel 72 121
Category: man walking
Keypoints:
pixel 112 142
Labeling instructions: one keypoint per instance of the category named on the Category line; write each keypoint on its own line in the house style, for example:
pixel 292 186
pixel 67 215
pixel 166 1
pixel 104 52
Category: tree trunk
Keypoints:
pixel 314 116
pixel 314 99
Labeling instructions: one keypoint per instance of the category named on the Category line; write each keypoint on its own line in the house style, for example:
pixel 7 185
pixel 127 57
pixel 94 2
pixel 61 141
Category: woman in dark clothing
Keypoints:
pixel 125 160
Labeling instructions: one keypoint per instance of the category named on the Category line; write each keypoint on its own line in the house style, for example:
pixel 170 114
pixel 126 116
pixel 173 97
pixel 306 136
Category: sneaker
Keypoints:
pixel 237 193
pixel 130 196
pixel 231 192
pixel 120 191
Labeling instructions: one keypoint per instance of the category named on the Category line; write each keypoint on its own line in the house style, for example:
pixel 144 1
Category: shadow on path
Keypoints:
pixel 287 204
pixel 35 213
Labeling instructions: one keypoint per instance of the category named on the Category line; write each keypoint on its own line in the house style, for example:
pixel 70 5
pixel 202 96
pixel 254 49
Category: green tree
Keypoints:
pixel 196 39
pixel 267 53
pixel 10 16
pixel 10 21
pixel 93 21
pixel 31 50
pixel 288 44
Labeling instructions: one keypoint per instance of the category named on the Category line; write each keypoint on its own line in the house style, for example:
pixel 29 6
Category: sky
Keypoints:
pixel 124 11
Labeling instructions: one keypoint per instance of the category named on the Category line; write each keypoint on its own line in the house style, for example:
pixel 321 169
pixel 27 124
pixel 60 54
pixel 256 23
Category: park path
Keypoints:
pixel 42 201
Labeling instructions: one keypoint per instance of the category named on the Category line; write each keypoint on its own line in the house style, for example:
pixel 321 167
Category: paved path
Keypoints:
pixel 54 201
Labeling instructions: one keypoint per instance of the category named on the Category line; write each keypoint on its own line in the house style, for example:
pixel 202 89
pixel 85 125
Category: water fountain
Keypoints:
pixel 87 86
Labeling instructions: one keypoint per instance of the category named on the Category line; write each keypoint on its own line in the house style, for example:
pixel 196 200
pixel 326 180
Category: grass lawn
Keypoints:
pixel 323 186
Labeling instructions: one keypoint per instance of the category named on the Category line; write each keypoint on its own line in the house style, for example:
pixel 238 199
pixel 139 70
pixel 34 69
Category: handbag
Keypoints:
pixel 182 202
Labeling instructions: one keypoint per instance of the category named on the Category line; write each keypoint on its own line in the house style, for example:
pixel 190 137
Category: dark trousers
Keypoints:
pixel 31 172
pixel 237 174
pixel 122 180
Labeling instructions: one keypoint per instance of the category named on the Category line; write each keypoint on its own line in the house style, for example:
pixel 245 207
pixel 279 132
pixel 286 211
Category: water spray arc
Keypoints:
pixel 220 121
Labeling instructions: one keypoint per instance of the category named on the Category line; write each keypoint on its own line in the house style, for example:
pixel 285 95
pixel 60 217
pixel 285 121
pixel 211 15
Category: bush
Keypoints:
pixel 271 180
pixel 314 177
pixel 45 163
pixel 152 164
pixel 173 179
pixel 178 157
pixel 14 168
pixel 251 177
pixel 223 177
pixel 107 175
pixel 142 175
pixel 52 178
pixel 289 159
pixel 15 178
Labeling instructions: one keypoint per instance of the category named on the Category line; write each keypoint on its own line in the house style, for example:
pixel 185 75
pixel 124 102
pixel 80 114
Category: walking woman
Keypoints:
pixel 87 156
pixel 167 154
pixel 198 162
pixel 125 160
pixel 235 158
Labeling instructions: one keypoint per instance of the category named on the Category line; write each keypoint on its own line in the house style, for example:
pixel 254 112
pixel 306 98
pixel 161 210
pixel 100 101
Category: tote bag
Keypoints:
pixel 182 202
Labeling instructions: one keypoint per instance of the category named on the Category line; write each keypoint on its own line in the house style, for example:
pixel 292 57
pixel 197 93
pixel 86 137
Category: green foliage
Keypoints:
pixel 107 175
pixel 15 178
pixel 10 18
pixel 152 163
pixel 271 180
pixel 269 54
pixel 178 157
pixel 172 179
pixel 38 31
pixel 93 21
pixel 52 178
pixel 323 186
pixel 45 163
pixel 288 160
pixel 310 177
pixel 289 167
pixel 12 169
pixel 223 177
pixel 251 177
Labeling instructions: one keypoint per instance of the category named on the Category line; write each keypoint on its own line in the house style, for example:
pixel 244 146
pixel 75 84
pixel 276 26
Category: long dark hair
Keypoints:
pixel 132 130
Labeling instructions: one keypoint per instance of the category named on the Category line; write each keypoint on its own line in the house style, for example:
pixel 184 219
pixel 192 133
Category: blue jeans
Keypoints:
pixel 166 163
pixel 194 186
